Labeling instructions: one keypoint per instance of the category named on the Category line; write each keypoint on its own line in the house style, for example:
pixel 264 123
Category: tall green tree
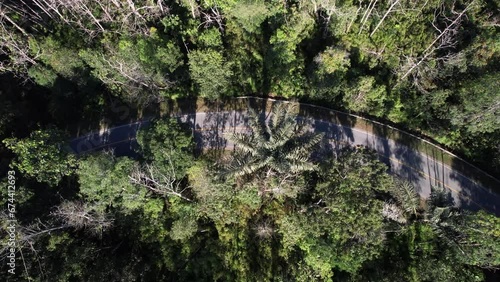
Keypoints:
pixel 210 72
pixel 140 69
pixel 105 184
pixel 43 155
pixel 480 105
pixel 166 143
pixel 343 226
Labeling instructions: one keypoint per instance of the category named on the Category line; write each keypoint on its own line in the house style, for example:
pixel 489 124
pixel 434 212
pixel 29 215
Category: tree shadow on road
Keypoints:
pixel 401 154
pixel 478 190
pixel 215 124
pixel 336 127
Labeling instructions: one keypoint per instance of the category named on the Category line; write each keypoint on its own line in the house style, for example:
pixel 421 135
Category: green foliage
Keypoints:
pixel 285 64
pixel 183 228
pixel 219 202
pixel 417 254
pixel 134 67
pixel 366 96
pixel 333 60
pixel 42 156
pixel 405 197
pixel 43 76
pixel 22 195
pixel 58 58
pixel 210 38
pixel 481 240
pixel 166 143
pixel 210 73
pixel 345 228
pixel 480 105
pixel 104 182
pixel 279 216
pixel 250 14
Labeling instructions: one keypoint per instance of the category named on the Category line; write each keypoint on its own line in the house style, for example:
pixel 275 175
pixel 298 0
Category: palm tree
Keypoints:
pixel 405 204
pixel 278 146
pixel 439 211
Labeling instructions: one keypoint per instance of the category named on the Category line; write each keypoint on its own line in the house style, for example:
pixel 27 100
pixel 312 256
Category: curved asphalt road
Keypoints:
pixel 211 128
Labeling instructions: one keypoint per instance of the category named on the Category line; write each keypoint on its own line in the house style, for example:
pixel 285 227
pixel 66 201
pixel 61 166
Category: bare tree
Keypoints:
pixel 492 20
pixel 446 38
pixel 94 17
pixel 193 5
pixel 80 215
pixel 421 76
pixel 133 71
pixel 70 214
pixel 328 9
pixel 162 183
pixel 24 235
pixel 122 70
pixel 4 15
pixel 385 15
pixel 353 18
pixel 367 14
pixel 91 17
pixel 14 44
pixel 213 17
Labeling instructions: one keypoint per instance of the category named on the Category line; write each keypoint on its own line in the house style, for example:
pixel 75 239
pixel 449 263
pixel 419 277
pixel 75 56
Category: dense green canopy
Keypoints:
pixel 269 210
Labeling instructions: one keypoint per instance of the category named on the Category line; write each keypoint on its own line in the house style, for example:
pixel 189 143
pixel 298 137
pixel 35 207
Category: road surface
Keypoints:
pixel 212 128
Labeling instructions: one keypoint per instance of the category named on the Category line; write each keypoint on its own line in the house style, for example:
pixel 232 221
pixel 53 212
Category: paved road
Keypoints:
pixel 211 129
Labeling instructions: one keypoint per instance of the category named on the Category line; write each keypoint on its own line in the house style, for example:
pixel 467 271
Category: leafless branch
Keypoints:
pixel 446 36
pixel 80 215
pixel 160 183
pixel 383 18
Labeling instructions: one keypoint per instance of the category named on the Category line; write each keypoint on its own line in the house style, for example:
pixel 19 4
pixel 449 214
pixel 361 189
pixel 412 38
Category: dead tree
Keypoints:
pixel 445 39
pixel 353 18
pixel 329 8
pixel 367 14
pixel 195 8
pixel 94 17
pixel 421 76
pixel 14 45
pixel 385 15
pixel 162 183
pixel 492 20
pixel 213 17
pixel 82 216
pixel 141 82
pixel 25 236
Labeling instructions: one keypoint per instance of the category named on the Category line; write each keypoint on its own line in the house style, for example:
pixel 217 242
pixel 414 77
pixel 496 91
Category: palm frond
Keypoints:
pixel 297 153
pixel 244 142
pixel 275 144
pixel 251 168
pixel 297 167
pixel 285 132
pixel 258 126
pixel 314 139
pixel 406 196
pixel 279 114
pixel 393 212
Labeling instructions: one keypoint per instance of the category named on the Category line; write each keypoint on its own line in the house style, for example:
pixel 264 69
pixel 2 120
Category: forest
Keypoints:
pixel 279 207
